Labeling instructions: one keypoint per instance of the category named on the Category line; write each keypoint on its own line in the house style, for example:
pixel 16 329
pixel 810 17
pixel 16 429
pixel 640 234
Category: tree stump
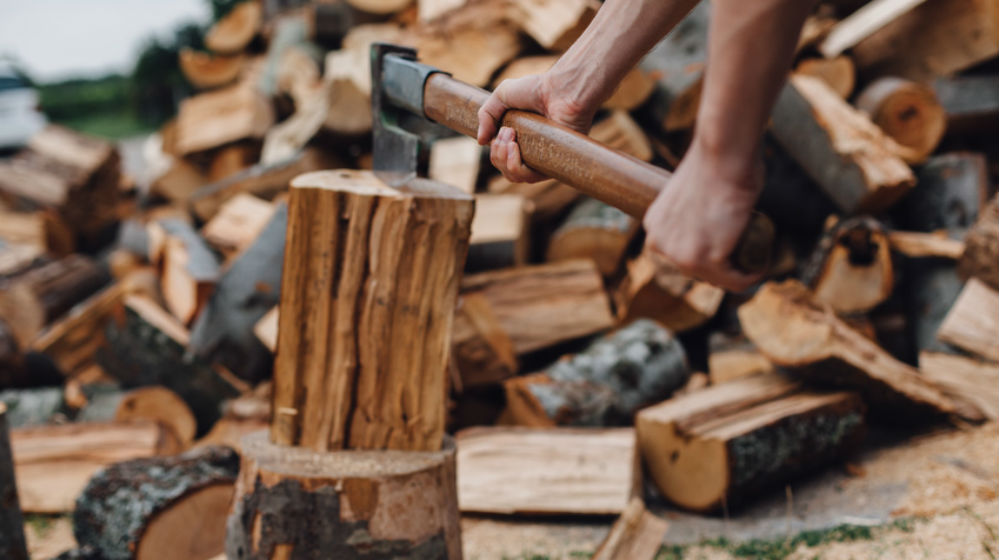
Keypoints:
pixel 293 502
pixel 12 543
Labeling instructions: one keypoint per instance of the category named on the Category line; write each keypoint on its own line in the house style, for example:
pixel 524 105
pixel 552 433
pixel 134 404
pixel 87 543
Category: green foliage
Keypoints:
pixel 222 7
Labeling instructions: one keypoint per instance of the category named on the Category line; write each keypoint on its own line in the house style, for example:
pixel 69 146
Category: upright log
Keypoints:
pixel 370 282
pixel 12 543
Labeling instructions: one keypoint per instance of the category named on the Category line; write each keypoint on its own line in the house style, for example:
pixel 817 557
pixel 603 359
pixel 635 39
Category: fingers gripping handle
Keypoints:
pixel 610 176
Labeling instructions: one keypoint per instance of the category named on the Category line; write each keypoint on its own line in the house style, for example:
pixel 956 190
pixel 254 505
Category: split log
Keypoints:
pixel 366 311
pixel 621 132
pixel 636 535
pixel 15 258
pixel 248 288
pixel 906 111
pixel 293 502
pixel 190 270
pixel 206 71
pixel 734 357
pixel 605 384
pixel 656 290
pixel 555 26
pixel 935 39
pixel 917 245
pixel 851 268
pixel 215 118
pixel 715 448
pixel 35 298
pixel 981 253
pixel 179 181
pixel 797 333
pixel 264 181
pixel 43 229
pixel 73 174
pixel 541 306
pixel 839 147
pixel 163 507
pixel 232 33
pixel 147 346
pixel 266 329
pixel 965 380
pixel 838 73
pixel 589 471
pixel 35 407
pixel 678 61
pixel 500 233
pixel 348 83
pixel 480 349
pixel 157 404
pixel 596 231
pixel 971 104
pixel 232 159
pixel 380 7
pixel 12 543
pixel 472 53
pixel 242 416
pixel 546 199
pixel 863 23
pixel 455 161
pixel 237 224
pixel 54 463
pixel 973 322
pixel 72 341
pixel 294 133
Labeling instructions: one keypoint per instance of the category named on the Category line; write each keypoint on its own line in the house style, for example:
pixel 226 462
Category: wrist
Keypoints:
pixel 739 165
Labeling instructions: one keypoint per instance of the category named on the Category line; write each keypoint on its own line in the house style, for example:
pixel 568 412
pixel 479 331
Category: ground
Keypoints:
pixel 930 497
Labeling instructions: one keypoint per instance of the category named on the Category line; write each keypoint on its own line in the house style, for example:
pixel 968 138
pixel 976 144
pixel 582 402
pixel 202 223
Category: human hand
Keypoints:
pixel 697 221
pixel 534 93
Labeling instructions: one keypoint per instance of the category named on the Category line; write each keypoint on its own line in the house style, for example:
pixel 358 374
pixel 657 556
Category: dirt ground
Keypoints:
pixel 949 511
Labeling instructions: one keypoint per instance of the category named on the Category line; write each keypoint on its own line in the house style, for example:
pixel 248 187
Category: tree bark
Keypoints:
pixel 596 231
pixel 12 543
pixel 293 502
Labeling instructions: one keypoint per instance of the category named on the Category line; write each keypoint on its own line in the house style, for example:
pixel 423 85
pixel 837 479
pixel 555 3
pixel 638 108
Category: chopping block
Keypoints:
pixel 356 463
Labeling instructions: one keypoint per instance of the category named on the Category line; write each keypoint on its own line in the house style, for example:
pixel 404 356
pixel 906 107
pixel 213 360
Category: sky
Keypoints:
pixel 58 39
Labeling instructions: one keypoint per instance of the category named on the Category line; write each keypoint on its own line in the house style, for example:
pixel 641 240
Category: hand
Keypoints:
pixel 696 221
pixel 532 93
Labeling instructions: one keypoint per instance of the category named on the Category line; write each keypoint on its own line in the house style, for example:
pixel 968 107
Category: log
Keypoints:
pixel 500 236
pixel 17 257
pixel 35 407
pixel 35 298
pixel 248 288
pixel 546 199
pixel 473 52
pixel 380 7
pixel 838 73
pixel 179 181
pixel 795 332
pixel 366 311
pixel 981 247
pixel 221 116
pixel 12 543
pixel 636 535
pixel 348 83
pixel 908 112
pixel 863 23
pixel 916 244
pixel 678 61
pixel 455 161
pixel 541 306
pixel 231 34
pixel 734 357
pixel 555 26
pixel 53 463
pixel 964 379
pixel 205 71
pixel 242 416
pixel 973 322
pixel 850 269
pixel 839 147
pixel 588 471
pixel 971 104
pixel 43 229
pixel 190 270
pixel 148 346
pixel 716 448
pixel 72 341
pixel 237 224
pixel 232 159
pixel 604 385
pixel 480 349
pixel 162 507
pixel 293 502
pixel 157 404
pixel 655 290
pixel 935 39
pixel 596 231
pixel 621 132
pixel 266 329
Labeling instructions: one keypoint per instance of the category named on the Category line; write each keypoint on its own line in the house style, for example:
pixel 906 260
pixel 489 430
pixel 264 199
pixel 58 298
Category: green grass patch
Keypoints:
pixel 113 126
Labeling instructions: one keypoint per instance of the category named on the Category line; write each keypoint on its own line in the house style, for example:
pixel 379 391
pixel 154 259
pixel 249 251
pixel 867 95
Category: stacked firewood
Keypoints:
pixel 138 321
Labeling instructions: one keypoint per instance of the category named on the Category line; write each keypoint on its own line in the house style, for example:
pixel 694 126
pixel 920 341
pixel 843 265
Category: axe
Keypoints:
pixel 412 101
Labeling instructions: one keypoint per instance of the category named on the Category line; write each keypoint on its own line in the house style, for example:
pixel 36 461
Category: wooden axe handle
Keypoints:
pixel 603 173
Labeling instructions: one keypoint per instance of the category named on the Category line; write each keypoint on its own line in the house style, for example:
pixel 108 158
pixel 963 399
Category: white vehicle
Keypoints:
pixel 20 118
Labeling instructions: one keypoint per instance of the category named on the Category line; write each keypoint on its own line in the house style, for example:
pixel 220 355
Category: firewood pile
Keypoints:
pixel 138 319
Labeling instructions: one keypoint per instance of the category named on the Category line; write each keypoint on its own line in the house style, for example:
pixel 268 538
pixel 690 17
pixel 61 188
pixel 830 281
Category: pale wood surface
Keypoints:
pixel 205 71
pixel 636 535
pixel 967 379
pixel 863 23
pixel 908 112
pixel 973 321
pixel 233 33
pixel 918 244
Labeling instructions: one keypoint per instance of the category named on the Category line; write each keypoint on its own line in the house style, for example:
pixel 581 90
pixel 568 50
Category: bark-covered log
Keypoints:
pixel 971 104
pixel 604 385
pixel 981 247
pixel 159 508
pixel 72 341
pixel 33 407
pixel 678 61
pixel 715 448
pixel 12 543
pixel 154 403
pixel 655 290
pixel 293 502
pixel 596 231
pixel 247 290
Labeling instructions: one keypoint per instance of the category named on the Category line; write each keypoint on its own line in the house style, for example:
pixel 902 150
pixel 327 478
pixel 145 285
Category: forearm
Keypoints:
pixel 750 50
pixel 617 38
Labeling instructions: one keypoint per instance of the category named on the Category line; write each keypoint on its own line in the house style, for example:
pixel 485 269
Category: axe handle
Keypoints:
pixel 603 173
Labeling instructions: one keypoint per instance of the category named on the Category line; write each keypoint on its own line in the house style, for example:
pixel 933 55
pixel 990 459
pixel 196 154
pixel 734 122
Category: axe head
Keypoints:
pixel 401 130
